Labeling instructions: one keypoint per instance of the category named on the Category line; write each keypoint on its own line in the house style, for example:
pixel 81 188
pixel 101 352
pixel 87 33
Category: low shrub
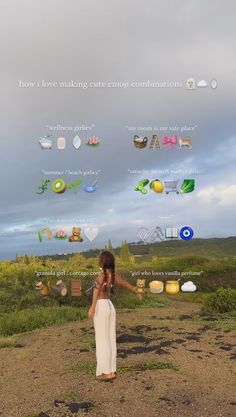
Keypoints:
pixel 222 301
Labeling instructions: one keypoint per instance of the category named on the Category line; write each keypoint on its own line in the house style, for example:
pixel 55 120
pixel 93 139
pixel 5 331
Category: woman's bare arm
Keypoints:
pixel 96 291
pixel 120 281
pixel 95 297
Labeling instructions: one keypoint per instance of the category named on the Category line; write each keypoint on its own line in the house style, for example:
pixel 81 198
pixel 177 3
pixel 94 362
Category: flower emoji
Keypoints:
pixel 61 234
pixel 93 141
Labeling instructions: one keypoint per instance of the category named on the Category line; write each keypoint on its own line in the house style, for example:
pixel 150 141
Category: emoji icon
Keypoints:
pixel 157 233
pixel 76 288
pixel 43 186
pixel 141 186
pixel 202 84
pixel 171 186
pixel 61 235
pixel 188 286
pixel 77 142
pixel 190 84
pixel 168 141
pixel 46 232
pixel 171 233
pixel 60 289
pixel 155 144
pixel 186 233
pixel 44 289
pixel 142 234
pixel 214 84
pixel 76 231
pixel 172 287
pixel 61 142
pixel 93 141
pixel 74 185
pixel 45 142
pixel 58 186
pixel 156 186
pixel 140 142
pixel 90 188
pixel 185 143
pixel 91 232
pixel 140 288
pixel 187 186
pixel 156 287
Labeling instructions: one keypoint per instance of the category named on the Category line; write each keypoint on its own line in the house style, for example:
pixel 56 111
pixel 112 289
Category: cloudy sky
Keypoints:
pixel 115 41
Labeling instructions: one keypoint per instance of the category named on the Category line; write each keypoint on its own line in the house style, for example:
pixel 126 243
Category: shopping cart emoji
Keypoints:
pixel 171 187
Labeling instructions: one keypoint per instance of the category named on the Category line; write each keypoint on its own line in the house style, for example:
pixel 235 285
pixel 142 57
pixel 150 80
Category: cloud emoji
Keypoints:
pixel 202 83
pixel 188 286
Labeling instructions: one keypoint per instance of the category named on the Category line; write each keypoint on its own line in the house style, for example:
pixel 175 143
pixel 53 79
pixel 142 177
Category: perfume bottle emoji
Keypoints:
pixel 61 142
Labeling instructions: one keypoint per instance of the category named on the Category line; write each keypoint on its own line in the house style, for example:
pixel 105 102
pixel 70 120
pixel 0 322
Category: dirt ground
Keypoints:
pixel 41 375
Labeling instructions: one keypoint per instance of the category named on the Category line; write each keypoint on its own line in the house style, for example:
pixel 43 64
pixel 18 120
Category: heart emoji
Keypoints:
pixel 91 232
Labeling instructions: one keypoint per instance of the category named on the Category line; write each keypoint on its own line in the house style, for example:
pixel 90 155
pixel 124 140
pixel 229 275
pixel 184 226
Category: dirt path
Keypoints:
pixel 41 376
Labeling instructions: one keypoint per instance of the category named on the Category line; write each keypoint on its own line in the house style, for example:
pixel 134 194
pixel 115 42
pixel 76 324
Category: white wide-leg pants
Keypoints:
pixel 105 336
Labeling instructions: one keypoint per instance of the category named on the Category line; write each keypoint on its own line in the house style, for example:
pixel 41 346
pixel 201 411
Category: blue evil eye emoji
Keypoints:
pixel 186 233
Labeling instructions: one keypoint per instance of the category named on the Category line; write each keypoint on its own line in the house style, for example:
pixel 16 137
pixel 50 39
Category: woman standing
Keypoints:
pixel 103 313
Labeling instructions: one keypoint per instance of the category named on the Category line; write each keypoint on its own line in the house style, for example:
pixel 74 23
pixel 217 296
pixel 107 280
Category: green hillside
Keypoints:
pixel 215 247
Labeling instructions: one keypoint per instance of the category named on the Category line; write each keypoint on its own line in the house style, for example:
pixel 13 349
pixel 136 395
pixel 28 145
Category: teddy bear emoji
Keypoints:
pixel 140 288
pixel 76 235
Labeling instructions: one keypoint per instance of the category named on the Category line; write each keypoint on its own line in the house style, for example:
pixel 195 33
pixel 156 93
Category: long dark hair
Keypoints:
pixel 107 263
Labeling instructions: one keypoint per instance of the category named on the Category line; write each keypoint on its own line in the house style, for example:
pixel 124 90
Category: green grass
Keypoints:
pixel 194 297
pixel 71 396
pixel 89 344
pixel 20 321
pixel 148 366
pixel 130 301
pixel 151 301
pixel 30 319
pixel 7 342
pixel 223 321
pixel 90 369
pixel 87 368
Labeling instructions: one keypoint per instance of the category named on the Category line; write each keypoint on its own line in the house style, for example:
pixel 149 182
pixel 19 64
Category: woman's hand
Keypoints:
pixel 135 290
pixel 91 312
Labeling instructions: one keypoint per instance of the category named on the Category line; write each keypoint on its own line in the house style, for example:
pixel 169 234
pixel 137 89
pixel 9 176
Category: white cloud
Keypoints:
pixel 188 286
pixel 221 195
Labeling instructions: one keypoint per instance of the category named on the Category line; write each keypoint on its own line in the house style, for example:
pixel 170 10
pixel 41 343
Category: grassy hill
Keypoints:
pixel 210 263
pixel 215 247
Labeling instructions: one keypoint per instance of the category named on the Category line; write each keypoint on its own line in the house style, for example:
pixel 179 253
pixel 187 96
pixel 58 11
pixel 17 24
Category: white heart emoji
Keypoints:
pixel 91 232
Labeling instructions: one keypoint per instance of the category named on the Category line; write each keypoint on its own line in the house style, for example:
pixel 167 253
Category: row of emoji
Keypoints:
pixel 170 186
pixel 59 186
pixel 141 142
pixel 170 287
pixel 155 287
pixel 47 142
pixel 74 236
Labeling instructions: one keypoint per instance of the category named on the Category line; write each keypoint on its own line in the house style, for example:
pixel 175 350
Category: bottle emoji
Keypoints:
pixel 61 142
